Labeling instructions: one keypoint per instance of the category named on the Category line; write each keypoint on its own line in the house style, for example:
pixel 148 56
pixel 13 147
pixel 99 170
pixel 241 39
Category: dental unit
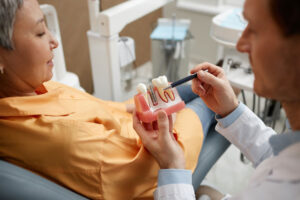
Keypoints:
pixel 149 101
pixel 103 43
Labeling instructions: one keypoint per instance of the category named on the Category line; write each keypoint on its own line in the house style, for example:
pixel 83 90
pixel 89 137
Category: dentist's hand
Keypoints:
pixel 130 108
pixel 159 140
pixel 214 88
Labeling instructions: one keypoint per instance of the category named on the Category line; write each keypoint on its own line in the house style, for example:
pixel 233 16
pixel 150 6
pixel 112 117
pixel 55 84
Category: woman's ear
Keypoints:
pixel 4 53
pixel 1 69
pixel 1 63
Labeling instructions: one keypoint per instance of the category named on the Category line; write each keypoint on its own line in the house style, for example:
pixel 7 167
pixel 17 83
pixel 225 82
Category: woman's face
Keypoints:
pixel 30 63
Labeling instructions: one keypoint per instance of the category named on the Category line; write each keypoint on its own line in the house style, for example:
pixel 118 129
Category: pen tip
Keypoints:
pixel 167 87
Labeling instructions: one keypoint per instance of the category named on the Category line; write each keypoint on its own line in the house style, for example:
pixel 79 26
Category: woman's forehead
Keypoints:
pixel 29 14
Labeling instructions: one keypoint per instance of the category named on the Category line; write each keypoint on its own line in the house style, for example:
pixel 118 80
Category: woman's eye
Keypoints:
pixel 41 34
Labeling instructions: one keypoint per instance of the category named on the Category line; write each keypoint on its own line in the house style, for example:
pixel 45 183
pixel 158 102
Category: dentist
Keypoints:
pixel 272 41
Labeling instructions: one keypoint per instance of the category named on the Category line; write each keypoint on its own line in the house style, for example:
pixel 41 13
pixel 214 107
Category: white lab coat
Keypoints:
pixel 276 177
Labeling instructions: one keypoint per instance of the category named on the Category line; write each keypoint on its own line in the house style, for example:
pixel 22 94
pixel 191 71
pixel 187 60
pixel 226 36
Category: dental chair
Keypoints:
pixel 18 183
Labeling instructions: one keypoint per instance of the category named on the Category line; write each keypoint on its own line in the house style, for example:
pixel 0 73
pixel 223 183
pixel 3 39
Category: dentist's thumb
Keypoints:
pixel 209 79
pixel 163 124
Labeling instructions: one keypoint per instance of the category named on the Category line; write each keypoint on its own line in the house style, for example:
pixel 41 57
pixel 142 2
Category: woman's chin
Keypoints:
pixel 49 77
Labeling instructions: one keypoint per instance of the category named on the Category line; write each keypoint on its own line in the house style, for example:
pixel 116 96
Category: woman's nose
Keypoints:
pixel 53 42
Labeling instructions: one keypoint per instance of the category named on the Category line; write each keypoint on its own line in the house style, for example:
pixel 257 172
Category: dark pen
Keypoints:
pixel 181 81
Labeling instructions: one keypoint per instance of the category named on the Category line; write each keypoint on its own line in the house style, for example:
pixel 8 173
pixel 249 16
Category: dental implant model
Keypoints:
pixel 149 100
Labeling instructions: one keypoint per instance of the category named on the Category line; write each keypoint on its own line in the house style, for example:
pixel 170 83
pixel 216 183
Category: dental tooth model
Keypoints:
pixel 160 83
pixel 149 101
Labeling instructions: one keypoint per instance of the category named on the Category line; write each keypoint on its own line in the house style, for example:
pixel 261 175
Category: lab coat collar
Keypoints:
pixel 285 167
pixel 280 142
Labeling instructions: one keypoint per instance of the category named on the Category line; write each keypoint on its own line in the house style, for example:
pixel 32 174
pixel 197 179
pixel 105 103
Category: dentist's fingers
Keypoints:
pixel 148 126
pixel 130 108
pixel 154 125
pixel 209 78
pixel 214 88
pixel 206 83
pixel 166 151
pixel 213 69
pixel 163 124
pixel 138 126
pixel 170 123
pixel 197 87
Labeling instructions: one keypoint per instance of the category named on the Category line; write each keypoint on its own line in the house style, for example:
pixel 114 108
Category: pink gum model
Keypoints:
pixel 147 110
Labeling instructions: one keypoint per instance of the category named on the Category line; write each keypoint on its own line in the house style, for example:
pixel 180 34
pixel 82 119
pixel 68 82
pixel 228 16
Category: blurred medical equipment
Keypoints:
pixel 19 183
pixel 126 58
pixel 60 72
pixel 171 48
pixel 103 43
pixel 226 29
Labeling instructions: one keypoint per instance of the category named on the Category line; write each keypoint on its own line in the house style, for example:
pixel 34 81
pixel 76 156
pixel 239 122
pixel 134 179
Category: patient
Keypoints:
pixel 70 137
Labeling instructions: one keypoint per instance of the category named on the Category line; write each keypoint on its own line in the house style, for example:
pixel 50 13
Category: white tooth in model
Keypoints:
pixel 142 89
pixel 161 83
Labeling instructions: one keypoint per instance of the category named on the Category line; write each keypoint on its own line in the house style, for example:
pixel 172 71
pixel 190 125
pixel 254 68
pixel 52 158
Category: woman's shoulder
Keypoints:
pixel 53 85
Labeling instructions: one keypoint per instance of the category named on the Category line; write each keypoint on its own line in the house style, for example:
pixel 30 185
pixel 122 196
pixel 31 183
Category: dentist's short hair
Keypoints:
pixel 8 10
pixel 286 14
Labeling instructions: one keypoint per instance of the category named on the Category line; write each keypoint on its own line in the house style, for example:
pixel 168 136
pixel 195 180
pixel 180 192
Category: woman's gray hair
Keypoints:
pixel 8 10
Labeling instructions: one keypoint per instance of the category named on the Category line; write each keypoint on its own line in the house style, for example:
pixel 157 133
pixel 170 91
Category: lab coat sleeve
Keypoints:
pixel 174 184
pixel 175 192
pixel 250 135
